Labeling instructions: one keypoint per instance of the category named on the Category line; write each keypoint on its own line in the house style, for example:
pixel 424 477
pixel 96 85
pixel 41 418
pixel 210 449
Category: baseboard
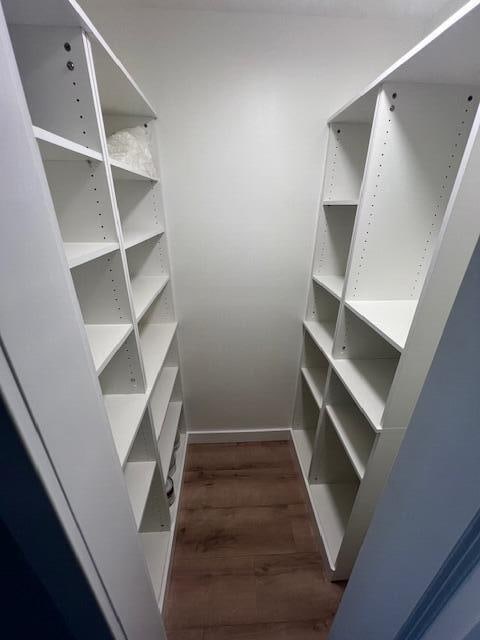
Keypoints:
pixel 238 435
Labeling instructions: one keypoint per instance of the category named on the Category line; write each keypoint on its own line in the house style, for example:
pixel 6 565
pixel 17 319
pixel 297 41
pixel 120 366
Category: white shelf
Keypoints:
pixel 133 238
pixel 356 441
pixel 333 284
pixel 139 476
pixel 168 434
pixel 322 334
pixel 315 378
pixel 303 442
pixel 144 291
pixel 80 252
pixel 160 398
pixel 390 318
pixel 121 171
pixel 125 413
pixel 155 341
pixel 340 203
pixel 333 505
pixel 54 147
pixel 368 382
pixel 156 545
pixel 105 339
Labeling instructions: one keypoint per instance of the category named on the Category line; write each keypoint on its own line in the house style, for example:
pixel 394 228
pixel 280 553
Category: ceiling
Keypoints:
pixel 334 8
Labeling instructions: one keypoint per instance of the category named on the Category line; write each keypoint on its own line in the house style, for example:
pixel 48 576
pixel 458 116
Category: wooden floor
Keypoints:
pixel 247 564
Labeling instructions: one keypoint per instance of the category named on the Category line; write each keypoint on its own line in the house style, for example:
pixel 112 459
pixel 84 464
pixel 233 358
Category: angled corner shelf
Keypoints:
pixel 55 147
pixel 105 340
pixel 125 412
pixel 132 238
pixel 121 171
pixel 392 319
pixel 139 477
pixel 144 291
pixel 332 283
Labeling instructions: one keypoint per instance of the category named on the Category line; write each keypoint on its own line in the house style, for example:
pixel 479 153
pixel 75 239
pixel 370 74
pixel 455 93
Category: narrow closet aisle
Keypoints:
pixel 247 560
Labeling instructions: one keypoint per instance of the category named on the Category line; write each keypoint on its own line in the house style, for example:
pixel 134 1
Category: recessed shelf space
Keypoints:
pixel 334 487
pixel 305 419
pixel 420 137
pixel 314 368
pixel 156 339
pixel 366 364
pixel 141 210
pixel 353 430
pixel 144 291
pixel 392 319
pixel 139 477
pixel 140 134
pixel 82 202
pixel 56 82
pixel 335 228
pixel 321 319
pixel 102 294
pixel 347 150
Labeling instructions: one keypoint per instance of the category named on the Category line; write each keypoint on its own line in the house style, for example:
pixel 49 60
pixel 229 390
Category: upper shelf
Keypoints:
pixel 390 318
pixel 340 203
pixel 435 59
pixel 121 171
pixel 119 93
pixel 54 147
pixel 80 252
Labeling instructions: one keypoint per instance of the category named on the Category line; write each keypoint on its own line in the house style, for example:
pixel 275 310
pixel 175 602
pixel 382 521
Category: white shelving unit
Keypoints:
pixel 394 157
pixel 111 221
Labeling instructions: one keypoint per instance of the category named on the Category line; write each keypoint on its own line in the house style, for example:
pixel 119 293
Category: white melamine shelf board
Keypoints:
pixel 303 442
pixel 322 334
pixel 167 435
pixel 125 413
pixel 156 546
pixel 162 395
pixel 132 238
pixel 333 284
pixel 139 476
pixel 356 441
pixel 390 318
pixel 53 147
pixel 155 341
pixel 333 505
pixel 105 340
pixel 121 171
pixel 144 291
pixel 80 252
pixel 340 203
pixel 437 58
pixel 368 382
pixel 119 93
pixel 315 378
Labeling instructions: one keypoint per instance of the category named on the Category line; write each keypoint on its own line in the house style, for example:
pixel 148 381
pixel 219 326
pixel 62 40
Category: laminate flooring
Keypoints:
pixel 247 562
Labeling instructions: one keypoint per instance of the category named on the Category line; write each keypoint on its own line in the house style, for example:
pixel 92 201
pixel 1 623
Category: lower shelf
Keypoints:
pixel 155 341
pixel 139 476
pixel 333 504
pixel 303 442
pixel 125 412
pixel 158 546
pixel 168 434
pixel 104 341
pixel 80 252
pixel 322 334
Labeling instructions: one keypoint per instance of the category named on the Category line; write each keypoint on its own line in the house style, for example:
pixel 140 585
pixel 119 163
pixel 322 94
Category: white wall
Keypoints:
pixel 242 101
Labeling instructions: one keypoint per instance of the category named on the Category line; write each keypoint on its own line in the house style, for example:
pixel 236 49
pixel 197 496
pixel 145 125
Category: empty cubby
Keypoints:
pixel 334 487
pixel 123 374
pixel 314 368
pixel 366 363
pixel 141 209
pixel 305 419
pixel 353 429
pixel 157 328
pixel 346 154
pixel 334 235
pixel 82 201
pixel 53 66
pixel 322 312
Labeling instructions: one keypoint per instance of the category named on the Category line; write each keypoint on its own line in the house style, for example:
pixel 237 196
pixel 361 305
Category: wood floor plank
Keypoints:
pixel 247 562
